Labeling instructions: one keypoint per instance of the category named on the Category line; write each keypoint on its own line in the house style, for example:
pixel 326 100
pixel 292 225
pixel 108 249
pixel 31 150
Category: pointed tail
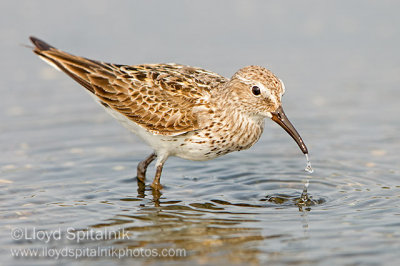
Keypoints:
pixel 76 67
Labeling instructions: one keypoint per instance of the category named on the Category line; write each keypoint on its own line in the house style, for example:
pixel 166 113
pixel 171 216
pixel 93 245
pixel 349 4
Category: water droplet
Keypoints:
pixel 306 184
pixel 308 168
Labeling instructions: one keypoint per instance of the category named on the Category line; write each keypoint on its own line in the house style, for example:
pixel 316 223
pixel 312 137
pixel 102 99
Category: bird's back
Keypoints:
pixel 164 99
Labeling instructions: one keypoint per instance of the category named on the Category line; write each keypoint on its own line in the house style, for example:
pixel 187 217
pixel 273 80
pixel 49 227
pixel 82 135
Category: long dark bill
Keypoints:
pixel 281 119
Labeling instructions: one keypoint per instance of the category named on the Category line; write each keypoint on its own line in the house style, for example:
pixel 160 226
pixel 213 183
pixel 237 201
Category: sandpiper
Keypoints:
pixel 180 110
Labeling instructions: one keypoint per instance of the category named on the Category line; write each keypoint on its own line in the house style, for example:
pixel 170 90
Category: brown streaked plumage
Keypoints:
pixel 179 110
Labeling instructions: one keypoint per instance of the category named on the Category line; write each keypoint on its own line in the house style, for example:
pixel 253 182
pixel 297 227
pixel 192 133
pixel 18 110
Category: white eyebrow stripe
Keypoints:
pixel 244 80
pixel 259 84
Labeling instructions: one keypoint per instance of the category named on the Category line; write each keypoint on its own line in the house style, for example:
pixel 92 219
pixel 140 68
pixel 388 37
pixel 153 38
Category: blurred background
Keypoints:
pixel 64 161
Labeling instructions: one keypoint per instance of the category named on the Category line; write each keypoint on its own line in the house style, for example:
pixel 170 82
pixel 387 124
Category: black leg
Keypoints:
pixel 156 182
pixel 162 157
pixel 142 167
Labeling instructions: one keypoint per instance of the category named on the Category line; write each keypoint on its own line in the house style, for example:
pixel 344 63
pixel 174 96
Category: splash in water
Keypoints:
pixel 304 198
pixel 304 194
pixel 308 168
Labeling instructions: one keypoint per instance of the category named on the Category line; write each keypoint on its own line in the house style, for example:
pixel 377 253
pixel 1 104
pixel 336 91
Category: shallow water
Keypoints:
pixel 67 167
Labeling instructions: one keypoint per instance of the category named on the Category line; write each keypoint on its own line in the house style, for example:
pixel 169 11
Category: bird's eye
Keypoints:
pixel 256 90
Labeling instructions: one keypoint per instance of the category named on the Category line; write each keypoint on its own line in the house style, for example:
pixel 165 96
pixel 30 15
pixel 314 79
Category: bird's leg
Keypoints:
pixel 142 166
pixel 160 163
pixel 156 182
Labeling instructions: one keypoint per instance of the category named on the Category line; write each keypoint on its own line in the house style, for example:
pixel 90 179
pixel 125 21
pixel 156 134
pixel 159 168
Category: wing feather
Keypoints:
pixel 162 98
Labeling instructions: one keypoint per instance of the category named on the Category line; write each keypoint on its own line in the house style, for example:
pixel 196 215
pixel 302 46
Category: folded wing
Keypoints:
pixel 165 99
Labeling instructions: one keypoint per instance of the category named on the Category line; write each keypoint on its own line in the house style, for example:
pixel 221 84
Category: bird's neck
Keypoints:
pixel 234 125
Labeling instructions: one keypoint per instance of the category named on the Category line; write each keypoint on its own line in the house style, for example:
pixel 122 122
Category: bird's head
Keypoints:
pixel 260 92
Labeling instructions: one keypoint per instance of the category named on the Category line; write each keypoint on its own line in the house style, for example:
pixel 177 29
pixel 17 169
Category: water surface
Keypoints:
pixel 64 163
